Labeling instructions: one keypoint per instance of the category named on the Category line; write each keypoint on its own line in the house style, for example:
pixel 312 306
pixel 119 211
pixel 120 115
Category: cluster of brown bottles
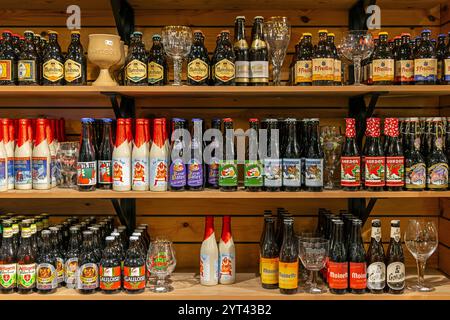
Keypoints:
pixel 87 255
pixel 406 61
pixel 34 60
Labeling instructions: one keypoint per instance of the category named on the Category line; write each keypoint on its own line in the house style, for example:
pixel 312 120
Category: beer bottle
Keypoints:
pixel 395 261
pixel 441 49
pixel 15 44
pixel 314 160
pixel 337 260
pixel 291 80
pixel 34 237
pixel 376 269
pixel 323 62
pixel 383 62
pixel 374 157
pixel 337 60
pixel 37 45
pixel 446 66
pixel 134 268
pixel 53 62
pixel 259 55
pixel 110 271
pixel 57 254
pixel 253 171
pixel 350 158
pixel 75 66
pixel 198 62
pixel 227 254
pixel 157 63
pixel 8 61
pixel 304 125
pixel 281 215
pixel 28 65
pixel 224 72
pixel 195 168
pixel 269 256
pixel 416 171
pixel 425 63
pixel 288 262
pixel 447 139
pixel 241 52
pixel 273 174
pixel 72 256
pixel 292 164
pixel 267 213
pixel 46 275
pixel 395 159
pixel 437 163
pixel 87 272
pixel 213 166
pixel 302 75
pixel 404 63
pixel 177 174
pixel 105 156
pixel 8 268
pixel 357 259
pixel 26 261
pixel 16 235
pixel 87 162
pixel 136 62
pixel 228 165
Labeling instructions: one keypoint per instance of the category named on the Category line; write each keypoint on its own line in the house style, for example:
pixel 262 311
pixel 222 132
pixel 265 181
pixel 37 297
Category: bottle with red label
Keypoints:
pixel 374 159
pixel 337 260
pixel 26 260
pixel 105 157
pixel 383 62
pixel 350 158
pixel 404 63
pixel 110 268
pixel 8 60
pixel 357 259
pixel 8 268
pixel 134 278
pixel 87 161
pixel 395 160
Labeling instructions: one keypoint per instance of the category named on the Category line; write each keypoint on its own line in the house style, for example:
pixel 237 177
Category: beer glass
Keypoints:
pixel 421 239
pixel 177 41
pixel 331 140
pixel 66 164
pixel 277 33
pixel 356 46
pixel 313 253
pixel 163 264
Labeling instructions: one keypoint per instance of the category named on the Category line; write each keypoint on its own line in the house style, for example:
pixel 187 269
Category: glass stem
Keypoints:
pixel 160 282
pixel 276 74
pixel 177 64
pixel 421 273
pixel 314 279
pixel 357 70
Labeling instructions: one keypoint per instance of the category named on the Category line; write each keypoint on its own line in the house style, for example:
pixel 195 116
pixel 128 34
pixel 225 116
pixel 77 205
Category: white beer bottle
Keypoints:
pixel 209 256
pixel 140 158
pixel 121 159
pixel 52 147
pixel 22 157
pixel 3 165
pixel 158 157
pixel 227 254
pixel 8 142
pixel 41 160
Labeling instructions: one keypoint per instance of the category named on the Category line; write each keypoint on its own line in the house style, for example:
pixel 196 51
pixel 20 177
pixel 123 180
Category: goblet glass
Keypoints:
pixel 163 263
pixel 66 164
pixel 177 41
pixel 331 140
pixel 313 253
pixel 421 239
pixel 355 46
pixel 277 33
pixel 104 50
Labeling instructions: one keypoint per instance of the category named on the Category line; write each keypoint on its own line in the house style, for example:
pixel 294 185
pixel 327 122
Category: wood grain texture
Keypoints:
pixel 444 234
pixel 444 259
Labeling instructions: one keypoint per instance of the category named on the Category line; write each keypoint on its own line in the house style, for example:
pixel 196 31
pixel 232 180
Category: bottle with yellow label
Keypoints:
pixel 241 52
pixel 404 63
pixel 323 62
pixel 441 49
pixel 224 70
pixel 75 64
pixel 259 55
pixel 28 64
pixel 302 75
pixel 53 62
pixel 157 65
pixel 383 63
pixel 425 62
pixel 269 256
pixel 446 69
pixel 337 60
pixel 198 62
pixel 136 62
pixel 288 265
pixel 8 61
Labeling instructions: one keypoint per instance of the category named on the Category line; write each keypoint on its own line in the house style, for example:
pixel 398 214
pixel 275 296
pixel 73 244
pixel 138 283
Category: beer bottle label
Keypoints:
pixel 440 66
pixel 195 173
pixel 395 233
pixel 303 71
pixel 86 173
pixel 337 70
pixel 134 277
pixel 8 275
pixel 350 171
pixel 197 70
pixel 72 70
pixel 314 172
pixel 323 69
pixel 71 267
pixel 253 173
pixel 242 71
pixel 376 276
pixel 87 276
pixel 226 272
pixel 177 173
pixel 396 275
pixel 40 173
pixel 228 173
pixel 121 171
pixel 3 172
pixel 395 171
pixel 358 275
pixel 269 270
pixel 292 172
pixel 425 69
pixel 11 170
pixel 376 233
pixel 22 170
pixel 46 277
pixel 288 275
pixel 438 176
pixel 208 268
pixel 104 171
pixel 136 71
pixel 60 269
pixel 155 72
pixel 383 70
pixel 272 173
pixel 259 71
pixel 158 172
pixel 140 169
pixel 53 70
pixel 374 171
pixel 404 71
pixel 26 275
pixel 446 69
pixel 5 70
pixel 337 275
pixel 416 176
pixel 26 70
pixel 224 70
pixel 213 172
pixel 110 278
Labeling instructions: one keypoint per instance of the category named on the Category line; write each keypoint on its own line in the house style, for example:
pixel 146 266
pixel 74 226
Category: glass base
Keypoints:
pixel 417 288
pixel 316 290
pixel 162 289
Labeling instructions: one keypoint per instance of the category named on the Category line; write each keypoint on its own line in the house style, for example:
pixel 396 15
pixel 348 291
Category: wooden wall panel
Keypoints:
pixel 444 227
pixel 444 259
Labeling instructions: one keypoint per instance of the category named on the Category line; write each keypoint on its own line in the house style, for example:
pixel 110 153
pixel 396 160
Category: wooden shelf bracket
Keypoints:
pixel 126 211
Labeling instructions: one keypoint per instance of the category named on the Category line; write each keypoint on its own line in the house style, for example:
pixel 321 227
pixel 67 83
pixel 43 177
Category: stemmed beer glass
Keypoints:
pixel 313 253
pixel 163 263
pixel 277 33
pixel 177 41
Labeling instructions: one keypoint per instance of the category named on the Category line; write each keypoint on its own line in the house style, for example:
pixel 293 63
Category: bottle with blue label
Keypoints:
pixel 41 158
pixel 195 168
pixel 212 166
pixel 272 161
pixel 314 160
pixel 8 141
pixel 425 62
pixel 3 166
pixel 177 170
pixel 292 164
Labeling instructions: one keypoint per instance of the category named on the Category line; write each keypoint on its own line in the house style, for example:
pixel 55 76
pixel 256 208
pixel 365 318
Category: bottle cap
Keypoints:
pixel 7 31
pixel 75 32
pixel 107 120
pixel 307 34
pixel 134 238
pixel 373 127
pixel 87 120
pixel 197 31
pixel 383 33
pixel 253 120
pixel 28 31
pixel 227 120
pixel 139 33
pixel 350 130
pixel 323 31
pixel 258 17
pixel 426 31
pixel 52 32
pixel 405 34
pixel 240 18
pixel 109 238
pixel 331 34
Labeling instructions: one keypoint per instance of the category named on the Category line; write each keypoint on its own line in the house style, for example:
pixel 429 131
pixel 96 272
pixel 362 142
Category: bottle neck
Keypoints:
pixel 209 227
pixel 226 229
pixel 107 132
pixel 337 233
pixel 269 234
pixel 158 134
pixel 139 138
pixel 356 234
pixel 121 133
pixel 240 30
pixel 292 129
pixel 40 133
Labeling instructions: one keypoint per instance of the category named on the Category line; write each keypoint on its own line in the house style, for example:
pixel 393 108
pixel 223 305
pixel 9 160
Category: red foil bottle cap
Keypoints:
pixel 350 129
pixel 373 127
pixel 391 127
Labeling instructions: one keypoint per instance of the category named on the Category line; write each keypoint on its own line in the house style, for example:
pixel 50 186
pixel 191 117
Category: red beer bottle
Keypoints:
pixel 350 159
pixel 374 157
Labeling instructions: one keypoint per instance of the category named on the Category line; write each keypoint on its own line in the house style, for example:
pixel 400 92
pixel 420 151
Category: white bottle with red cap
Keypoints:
pixel 209 256
pixel 22 157
pixel 8 142
pixel 227 254
pixel 3 165
pixel 52 146
pixel 140 158
pixel 159 157
pixel 121 159
pixel 41 160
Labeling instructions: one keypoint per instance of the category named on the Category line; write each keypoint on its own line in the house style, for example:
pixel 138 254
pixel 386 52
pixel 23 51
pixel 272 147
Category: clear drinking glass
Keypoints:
pixel 66 164
pixel 163 264
pixel 331 139
pixel 304 276
pixel 421 239
pixel 356 46
pixel 177 41
pixel 313 253
pixel 277 33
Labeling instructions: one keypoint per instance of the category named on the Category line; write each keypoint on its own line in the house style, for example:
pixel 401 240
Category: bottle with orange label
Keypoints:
pixel 134 268
pixel 8 61
pixel 323 62
pixel 383 62
pixel 110 269
pixel 404 63
pixel 357 259
pixel 303 65
pixel 288 263
pixel 269 257
pixel 337 273
pixel 425 62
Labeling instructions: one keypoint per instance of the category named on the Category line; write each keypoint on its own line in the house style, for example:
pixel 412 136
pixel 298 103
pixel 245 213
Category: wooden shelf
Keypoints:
pixel 247 287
